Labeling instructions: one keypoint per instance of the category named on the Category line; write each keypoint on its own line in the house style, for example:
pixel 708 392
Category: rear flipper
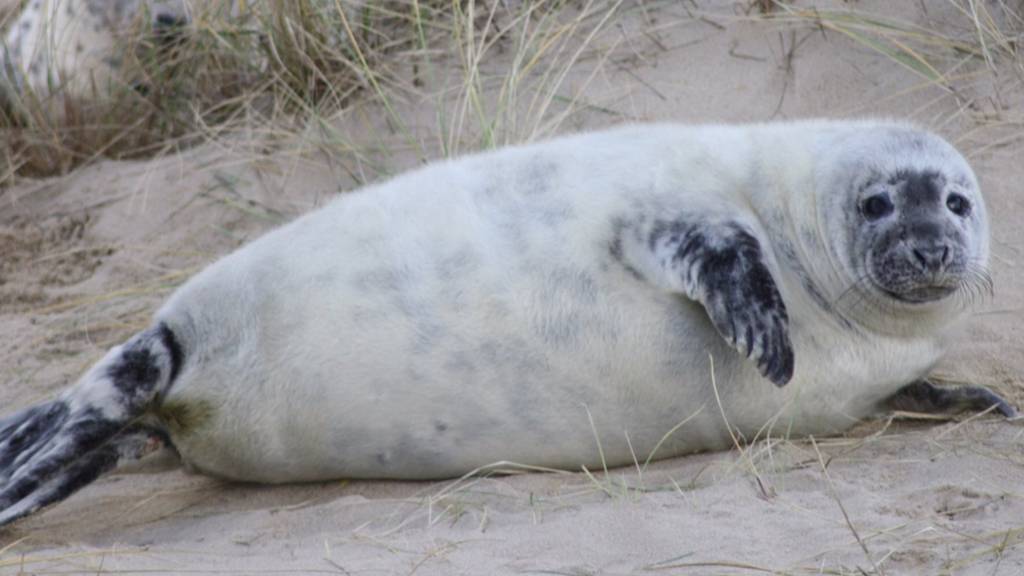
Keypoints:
pixel 49 451
pixel 32 493
pixel 923 396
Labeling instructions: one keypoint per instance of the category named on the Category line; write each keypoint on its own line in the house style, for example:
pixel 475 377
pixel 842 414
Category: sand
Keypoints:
pixel 85 258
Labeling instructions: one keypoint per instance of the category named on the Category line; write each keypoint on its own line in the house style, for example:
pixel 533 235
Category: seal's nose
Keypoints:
pixel 165 20
pixel 168 29
pixel 932 258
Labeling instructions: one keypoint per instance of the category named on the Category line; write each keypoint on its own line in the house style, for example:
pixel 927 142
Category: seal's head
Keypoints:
pixel 915 231
pixel 918 235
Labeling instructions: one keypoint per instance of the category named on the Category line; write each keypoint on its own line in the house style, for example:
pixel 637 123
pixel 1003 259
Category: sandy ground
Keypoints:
pixel 84 259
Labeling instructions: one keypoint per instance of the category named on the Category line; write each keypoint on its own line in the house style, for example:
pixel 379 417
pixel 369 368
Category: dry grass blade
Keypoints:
pixel 846 517
pixel 993 38
pixel 744 453
pixel 734 565
pixel 164 282
pixel 922 50
pixel 547 43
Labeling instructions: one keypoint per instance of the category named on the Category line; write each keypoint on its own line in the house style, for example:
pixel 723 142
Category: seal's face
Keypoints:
pixel 901 210
pixel 917 234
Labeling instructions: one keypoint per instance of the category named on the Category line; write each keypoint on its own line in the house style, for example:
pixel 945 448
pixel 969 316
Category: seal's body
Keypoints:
pixel 560 304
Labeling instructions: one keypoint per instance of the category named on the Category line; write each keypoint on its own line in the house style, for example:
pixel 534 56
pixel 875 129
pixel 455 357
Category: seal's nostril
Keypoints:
pixel 920 258
pixel 168 20
pixel 169 24
pixel 932 258
pixel 168 29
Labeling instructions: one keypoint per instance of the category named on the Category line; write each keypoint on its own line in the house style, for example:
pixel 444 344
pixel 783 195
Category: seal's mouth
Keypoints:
pixel 921 294
pixel 908 281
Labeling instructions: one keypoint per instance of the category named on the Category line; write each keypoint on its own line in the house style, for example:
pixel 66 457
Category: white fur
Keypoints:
pixel 470 312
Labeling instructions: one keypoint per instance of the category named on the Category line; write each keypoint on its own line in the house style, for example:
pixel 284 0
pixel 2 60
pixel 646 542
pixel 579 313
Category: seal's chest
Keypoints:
pixel 860 374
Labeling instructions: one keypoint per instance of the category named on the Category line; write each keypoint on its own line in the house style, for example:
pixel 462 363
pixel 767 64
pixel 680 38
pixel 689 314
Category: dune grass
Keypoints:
pixel 293 63
pixel 503 70
pixel 286 65
pixel 282 66
pixel 939 53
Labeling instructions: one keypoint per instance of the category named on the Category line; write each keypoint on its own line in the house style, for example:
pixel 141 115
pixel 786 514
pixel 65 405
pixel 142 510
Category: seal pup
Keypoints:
pixel 75 47
pixel 513 305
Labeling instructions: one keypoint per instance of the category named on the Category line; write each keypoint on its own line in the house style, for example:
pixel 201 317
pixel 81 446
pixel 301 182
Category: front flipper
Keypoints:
pixel 719 264
pixel 923 396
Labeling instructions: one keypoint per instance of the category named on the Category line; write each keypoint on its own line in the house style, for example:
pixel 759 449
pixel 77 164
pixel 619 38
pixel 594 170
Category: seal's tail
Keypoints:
pixel 49 451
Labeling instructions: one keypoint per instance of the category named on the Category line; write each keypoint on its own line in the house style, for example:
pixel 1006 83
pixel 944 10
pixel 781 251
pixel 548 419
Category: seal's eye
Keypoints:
pixel 877 206
pixel 958 205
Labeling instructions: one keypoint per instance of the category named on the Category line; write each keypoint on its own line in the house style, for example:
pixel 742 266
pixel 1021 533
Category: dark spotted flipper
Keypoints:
pixel 51 450
pixel 923 396
pixel 31 494
pixel 720 265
